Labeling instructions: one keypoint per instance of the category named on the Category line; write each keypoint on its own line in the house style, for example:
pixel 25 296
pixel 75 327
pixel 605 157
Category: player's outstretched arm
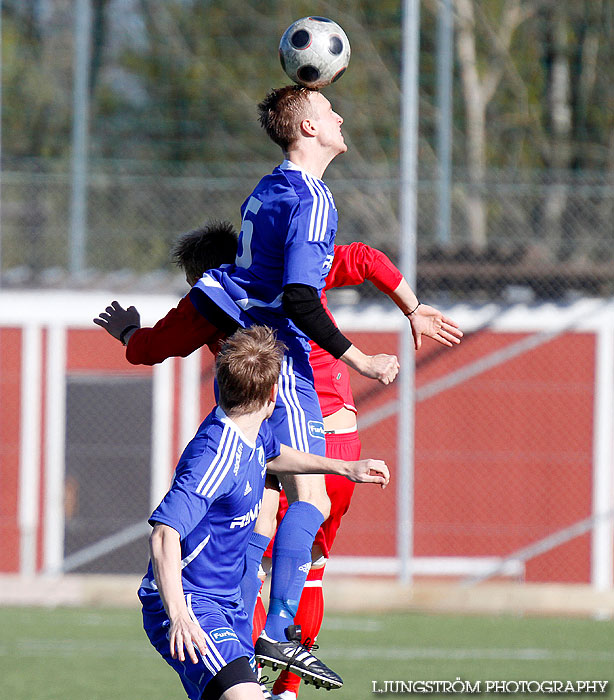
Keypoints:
pixel 184 634
pixel 430 322
pixel 178 334
pixel 357 262
pixel 115 319
pixel 425 320
pixel 365 471
pixel 382 367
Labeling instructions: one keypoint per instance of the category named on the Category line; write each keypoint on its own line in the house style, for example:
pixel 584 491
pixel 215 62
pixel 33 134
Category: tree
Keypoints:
pixel 480 79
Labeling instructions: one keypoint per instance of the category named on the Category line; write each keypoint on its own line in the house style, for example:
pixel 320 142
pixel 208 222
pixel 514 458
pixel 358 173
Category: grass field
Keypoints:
pixel 97 654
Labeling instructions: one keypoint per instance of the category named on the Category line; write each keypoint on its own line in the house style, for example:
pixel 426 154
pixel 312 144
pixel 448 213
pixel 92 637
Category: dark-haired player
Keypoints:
pixel 184 330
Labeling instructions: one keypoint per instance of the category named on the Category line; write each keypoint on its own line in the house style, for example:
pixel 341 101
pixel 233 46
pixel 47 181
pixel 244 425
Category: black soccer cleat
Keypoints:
pixel 295 657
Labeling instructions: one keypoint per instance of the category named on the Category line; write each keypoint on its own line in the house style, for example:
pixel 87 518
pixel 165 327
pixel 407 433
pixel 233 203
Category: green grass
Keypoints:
pixel 97 654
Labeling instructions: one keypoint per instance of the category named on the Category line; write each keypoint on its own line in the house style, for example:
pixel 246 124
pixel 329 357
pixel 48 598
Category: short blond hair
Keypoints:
pixel 282 111
pixel 247 368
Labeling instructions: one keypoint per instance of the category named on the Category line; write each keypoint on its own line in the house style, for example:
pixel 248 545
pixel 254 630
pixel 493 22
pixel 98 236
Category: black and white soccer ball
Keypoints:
pixel 314 51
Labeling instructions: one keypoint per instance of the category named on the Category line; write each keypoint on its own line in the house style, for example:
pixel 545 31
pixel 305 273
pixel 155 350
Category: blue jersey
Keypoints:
pixel 287 237
pixel 213 504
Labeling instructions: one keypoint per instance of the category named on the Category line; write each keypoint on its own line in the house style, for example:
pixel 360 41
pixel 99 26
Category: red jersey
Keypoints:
pixel 184 329
pixel 352 264
pixel 178 334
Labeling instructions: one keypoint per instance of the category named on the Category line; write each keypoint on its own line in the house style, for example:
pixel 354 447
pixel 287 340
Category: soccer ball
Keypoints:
pixel 314 51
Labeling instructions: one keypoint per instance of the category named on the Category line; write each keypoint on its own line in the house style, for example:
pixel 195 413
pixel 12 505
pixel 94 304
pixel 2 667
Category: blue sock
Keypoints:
pixel 250 583
pixel 291 562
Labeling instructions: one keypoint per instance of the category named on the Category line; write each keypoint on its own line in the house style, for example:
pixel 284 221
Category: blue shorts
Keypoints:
pixel 297 418
pixel 228 633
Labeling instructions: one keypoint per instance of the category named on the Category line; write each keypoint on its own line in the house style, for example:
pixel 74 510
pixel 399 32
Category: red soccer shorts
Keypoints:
pixel 338 446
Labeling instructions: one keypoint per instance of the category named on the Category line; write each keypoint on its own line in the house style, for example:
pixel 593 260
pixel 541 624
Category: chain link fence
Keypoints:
pixel 549 236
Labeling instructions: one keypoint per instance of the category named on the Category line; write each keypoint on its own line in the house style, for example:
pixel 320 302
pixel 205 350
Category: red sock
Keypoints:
pixel 259 618
pixel 309 616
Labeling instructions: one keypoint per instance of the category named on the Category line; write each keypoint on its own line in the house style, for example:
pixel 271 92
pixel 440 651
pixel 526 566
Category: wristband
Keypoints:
pixel 409 313
pixel 127 329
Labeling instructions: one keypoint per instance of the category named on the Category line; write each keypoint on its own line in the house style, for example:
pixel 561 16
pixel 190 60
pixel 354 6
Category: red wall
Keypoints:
pixel 10 407
pixel 501 460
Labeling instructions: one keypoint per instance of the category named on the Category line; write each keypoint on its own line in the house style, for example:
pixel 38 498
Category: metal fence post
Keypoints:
pixel 409 185
pixel 78 211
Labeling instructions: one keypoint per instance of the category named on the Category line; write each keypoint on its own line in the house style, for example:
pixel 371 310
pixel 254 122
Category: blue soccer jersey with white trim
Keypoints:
pixel 213 504
pixel 288 232
pixel 287 237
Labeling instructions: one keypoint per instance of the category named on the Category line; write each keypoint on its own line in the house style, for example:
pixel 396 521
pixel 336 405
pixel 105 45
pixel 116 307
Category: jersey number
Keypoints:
pixel 247 230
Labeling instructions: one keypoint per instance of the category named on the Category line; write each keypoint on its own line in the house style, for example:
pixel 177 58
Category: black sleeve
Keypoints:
pixel 303 306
